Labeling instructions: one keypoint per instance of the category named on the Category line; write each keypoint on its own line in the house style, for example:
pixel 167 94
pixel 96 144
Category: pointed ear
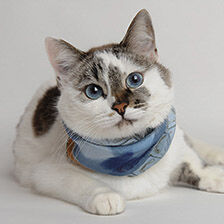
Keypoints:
pixel 140 37
pixel 62 55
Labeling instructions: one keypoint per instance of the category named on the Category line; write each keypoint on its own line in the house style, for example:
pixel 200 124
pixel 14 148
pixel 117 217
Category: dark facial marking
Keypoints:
pixel 123 95
pixel 100 67
pixel 90 71
pixel 116 51
pixel 114 75
pixel 139 98
pixel 139 106
pixel 138 103
pixel 188 176
pixel 94 71
pixel 143 91
pixel 46 112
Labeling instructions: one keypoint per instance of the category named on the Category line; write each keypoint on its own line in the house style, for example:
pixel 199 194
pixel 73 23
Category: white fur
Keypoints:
pixel 41 162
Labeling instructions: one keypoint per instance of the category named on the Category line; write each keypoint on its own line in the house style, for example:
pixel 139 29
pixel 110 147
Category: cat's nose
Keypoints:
pixel 120 107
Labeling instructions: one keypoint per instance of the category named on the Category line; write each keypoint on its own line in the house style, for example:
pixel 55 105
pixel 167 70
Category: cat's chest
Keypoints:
pixel 150 182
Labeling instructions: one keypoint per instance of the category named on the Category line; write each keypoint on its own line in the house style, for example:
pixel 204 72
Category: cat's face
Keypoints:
pixel 115 90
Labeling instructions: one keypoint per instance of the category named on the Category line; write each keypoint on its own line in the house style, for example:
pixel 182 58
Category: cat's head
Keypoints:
pixel 115 90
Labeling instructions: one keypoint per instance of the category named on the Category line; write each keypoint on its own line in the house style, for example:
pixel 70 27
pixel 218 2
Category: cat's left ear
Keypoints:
pixel 63 56
pixel 140 37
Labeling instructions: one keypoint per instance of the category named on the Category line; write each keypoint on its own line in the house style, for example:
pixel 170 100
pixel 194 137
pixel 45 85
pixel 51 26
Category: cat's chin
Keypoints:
pixel 122 129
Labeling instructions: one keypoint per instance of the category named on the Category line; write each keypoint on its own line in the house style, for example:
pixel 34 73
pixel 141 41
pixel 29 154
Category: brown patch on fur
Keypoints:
pixel 46 112
pixel 69 149
pixel 188 176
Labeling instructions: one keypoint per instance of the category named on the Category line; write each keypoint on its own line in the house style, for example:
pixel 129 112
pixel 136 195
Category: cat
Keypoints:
pixel 109 93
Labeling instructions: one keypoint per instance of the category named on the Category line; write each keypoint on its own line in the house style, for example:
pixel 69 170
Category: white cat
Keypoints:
pixel 115 91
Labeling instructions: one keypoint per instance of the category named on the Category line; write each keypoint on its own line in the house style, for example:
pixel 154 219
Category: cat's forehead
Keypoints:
pixel 124 62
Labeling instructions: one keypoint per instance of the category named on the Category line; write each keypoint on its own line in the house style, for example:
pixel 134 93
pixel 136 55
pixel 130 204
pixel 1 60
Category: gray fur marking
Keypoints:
pixel 114 75
pixel 187 176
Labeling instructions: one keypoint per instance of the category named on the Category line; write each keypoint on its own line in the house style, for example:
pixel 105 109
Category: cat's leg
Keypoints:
pixel 212 155
pixel 194 172
pixel 68 183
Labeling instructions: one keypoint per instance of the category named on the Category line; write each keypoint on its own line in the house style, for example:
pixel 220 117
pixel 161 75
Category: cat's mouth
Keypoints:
pixel 125 121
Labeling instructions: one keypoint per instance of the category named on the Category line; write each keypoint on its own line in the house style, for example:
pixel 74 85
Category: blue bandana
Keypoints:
pixel 122 157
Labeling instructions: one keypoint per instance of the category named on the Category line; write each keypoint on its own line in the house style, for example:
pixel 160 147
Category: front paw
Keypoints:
pixel 109 203
pixel 216 158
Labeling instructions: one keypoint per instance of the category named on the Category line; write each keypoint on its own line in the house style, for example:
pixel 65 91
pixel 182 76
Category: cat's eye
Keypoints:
pixel 134 80
pixel 93 91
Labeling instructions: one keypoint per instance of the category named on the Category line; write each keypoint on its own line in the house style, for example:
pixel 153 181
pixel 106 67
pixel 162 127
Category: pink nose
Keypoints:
pixel 120 107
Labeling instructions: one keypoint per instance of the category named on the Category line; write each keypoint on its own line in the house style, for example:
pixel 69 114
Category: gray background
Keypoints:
pixel 190 41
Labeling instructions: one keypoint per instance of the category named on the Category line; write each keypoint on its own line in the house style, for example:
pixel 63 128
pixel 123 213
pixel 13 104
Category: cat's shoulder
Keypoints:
pixel 41 110
pixel 45 112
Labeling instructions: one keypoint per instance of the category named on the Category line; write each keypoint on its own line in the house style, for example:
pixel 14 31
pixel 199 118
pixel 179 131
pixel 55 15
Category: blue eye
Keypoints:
pixel 134 80
pixel 93 91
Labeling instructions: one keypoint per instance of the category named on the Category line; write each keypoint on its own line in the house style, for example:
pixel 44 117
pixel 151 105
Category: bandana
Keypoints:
pixel 122 157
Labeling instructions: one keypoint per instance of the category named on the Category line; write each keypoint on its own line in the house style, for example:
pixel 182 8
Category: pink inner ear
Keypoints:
pixel 153 55
pixel 146 47
pixel 52 51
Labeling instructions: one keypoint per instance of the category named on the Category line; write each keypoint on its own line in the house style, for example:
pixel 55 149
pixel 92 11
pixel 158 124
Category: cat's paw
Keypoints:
pixel 216 157
pixel 213 179
pixel 109 203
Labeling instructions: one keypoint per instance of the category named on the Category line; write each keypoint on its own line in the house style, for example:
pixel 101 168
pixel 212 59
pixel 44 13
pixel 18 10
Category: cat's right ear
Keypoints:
pixel 63 56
